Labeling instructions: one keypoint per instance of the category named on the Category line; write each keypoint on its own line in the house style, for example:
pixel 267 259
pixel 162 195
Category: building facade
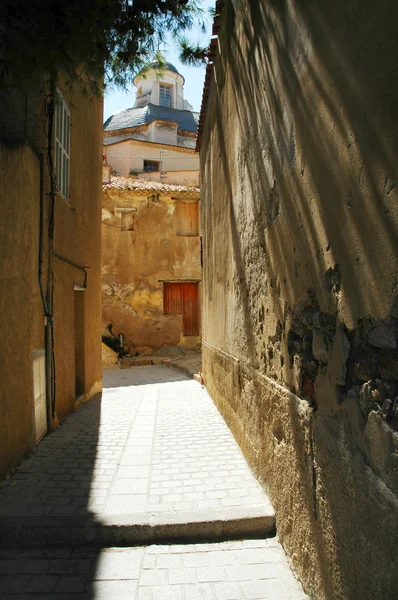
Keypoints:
pixel 150 220
pixel 50 305
pixel 155 138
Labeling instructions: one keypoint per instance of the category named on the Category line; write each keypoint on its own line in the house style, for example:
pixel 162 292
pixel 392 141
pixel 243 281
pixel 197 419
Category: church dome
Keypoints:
pixel 155 64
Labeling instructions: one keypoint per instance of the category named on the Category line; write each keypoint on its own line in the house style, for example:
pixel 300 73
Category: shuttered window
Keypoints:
pixel 187 218
pixel 172 298
pixel 62 146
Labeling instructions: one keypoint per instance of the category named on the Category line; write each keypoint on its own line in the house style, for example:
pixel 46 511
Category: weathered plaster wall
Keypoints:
pixel 135 262
pixel 127 156
pixel 76 237
pixel 299 223
pixel 21 319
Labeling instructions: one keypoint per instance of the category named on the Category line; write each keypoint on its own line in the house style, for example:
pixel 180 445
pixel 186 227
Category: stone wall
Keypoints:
pixel 300 280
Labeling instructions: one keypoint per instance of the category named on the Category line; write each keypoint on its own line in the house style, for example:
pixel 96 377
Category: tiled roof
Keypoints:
pixel 211 55
pixel 134 117
pixel 141 187
pixel 108 141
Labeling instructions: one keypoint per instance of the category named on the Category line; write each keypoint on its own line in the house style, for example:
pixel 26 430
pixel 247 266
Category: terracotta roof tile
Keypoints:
pixel 142 187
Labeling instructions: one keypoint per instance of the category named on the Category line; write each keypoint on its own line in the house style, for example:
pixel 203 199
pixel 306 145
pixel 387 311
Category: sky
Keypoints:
pixel 117 100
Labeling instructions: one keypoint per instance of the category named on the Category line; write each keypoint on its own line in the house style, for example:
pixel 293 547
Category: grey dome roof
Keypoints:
pixel 133 117
pixel 157 65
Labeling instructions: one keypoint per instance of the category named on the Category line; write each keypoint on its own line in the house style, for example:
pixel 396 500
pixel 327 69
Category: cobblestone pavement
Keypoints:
pixel 239 570
pixel 154 447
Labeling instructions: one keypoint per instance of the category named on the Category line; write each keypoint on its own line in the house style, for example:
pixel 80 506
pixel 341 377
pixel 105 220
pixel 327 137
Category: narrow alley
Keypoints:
pixel 199 300
pixel 149 467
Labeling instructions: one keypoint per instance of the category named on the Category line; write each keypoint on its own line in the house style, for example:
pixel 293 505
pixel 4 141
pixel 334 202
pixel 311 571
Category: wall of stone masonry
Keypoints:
pixel 300 322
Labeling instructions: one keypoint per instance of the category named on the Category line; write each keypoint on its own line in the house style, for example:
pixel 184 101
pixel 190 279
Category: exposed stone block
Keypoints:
pixel 383 336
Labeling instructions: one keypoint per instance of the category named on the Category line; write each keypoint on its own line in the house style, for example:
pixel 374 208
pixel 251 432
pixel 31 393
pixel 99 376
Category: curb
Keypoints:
pixel 129 530
pixel 167 362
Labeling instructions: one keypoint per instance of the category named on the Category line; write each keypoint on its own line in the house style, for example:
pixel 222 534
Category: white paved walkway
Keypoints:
pixel 241 570
pixel 151 460
pixel 153 449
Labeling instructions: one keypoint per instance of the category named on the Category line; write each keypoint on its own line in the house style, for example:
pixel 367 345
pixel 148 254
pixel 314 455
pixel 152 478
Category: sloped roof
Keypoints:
pixel 141 187
pixel 133 117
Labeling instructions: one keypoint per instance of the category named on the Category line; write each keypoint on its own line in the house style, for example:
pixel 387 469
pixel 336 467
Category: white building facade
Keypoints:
pixel 155 139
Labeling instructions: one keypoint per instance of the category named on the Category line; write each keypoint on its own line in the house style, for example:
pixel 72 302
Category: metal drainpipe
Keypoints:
pixel 47 315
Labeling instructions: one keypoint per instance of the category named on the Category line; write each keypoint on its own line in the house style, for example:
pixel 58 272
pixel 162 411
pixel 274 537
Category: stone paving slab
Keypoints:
pixel 246 569
pixel 150 460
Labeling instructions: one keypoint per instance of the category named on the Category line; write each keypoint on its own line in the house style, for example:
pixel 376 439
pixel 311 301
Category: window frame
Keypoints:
pixel 168 88
pixel 148 160
pixel 127 221
pixel 62 137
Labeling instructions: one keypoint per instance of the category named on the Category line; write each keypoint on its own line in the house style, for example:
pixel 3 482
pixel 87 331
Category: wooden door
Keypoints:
pixel 190 309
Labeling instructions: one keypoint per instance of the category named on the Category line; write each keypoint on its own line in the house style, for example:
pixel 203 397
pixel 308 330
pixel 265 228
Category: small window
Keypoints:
pixel 164 95
pixel 62 145
pixel 127 221
pixel 150 166
pixel 187 218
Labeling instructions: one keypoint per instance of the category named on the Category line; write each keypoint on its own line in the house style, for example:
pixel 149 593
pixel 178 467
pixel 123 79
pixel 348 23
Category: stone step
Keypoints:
pixel 31 531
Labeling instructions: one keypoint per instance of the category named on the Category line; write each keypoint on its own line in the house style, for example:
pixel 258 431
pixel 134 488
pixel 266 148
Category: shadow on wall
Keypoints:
pixel 308 178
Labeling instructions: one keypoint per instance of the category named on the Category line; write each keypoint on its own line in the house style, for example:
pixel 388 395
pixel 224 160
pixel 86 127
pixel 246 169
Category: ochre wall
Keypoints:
pixel 299 221
pixel 21 318
pixel 77 238
pixel 134 262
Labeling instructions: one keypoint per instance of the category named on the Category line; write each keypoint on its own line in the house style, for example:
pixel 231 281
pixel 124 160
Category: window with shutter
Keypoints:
pixel 62 146
pixel 187 218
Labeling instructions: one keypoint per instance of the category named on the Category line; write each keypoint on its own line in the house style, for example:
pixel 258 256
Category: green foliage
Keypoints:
pixel 192 54
pixel 88 39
